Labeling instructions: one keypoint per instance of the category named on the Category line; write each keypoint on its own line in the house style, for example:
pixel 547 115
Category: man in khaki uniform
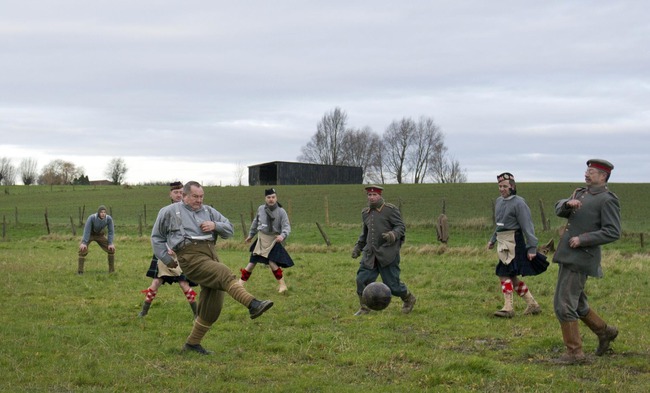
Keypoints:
pixel 594 219
pixel 379 245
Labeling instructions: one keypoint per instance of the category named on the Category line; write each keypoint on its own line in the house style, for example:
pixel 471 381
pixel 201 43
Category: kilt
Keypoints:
pixel 278 254
pixel 520 265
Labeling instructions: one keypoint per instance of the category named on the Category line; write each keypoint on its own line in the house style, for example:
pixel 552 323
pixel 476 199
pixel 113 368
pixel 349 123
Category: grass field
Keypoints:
pixel 62 332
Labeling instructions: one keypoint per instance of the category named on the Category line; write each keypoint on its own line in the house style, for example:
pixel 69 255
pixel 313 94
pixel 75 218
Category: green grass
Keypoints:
pixel 61 332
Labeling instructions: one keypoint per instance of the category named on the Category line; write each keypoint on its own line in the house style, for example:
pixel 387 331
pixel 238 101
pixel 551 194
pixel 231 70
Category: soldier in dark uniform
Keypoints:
pixel 594 219
pixel 379 246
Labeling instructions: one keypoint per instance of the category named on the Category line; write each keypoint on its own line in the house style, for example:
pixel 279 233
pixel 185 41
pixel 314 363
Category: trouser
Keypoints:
pixel 101 239
pixel 570 300
pixel 201 264
pixel 389 275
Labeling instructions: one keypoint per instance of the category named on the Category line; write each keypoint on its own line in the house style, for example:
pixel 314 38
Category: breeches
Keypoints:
pixel 389 275
pixel 101 240
pixel 570 301
pixel 201 264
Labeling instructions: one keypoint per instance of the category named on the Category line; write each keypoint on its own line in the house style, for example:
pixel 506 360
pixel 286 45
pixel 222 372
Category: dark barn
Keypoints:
pixel 299 173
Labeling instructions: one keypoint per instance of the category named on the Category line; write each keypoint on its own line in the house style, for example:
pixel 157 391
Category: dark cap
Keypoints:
pixel 505 176
pixel 175 185
pixel 374 188
pixel 269 191
pixel 603 165
pixel 100 208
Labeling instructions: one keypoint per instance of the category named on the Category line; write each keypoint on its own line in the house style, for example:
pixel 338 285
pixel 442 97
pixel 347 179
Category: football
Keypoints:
pixel 376 296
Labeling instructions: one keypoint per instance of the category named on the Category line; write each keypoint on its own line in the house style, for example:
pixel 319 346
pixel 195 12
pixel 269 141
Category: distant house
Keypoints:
pixel 300 173
pixel 101 183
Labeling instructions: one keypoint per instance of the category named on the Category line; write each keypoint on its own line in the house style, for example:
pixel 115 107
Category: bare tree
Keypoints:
pixel 397 140
pixel 28 171
pixel 360 147
pixel 58 172
pixel 427 141
pixel 239 173
pixel 445 169
pixel 7 172
pixel 116 170
pixel 325 146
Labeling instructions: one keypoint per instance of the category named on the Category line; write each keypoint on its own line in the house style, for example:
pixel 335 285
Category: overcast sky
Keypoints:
pixel 193 90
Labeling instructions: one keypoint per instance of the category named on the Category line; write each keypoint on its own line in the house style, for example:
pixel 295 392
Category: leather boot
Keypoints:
pixel 80 267
pixel 145 309
pixel 532 308
pixel 363 310
pixel 111 263
pixel 573 344
pixel 606 334
pixel 507 311
pixel 283 286
pixel 409 302
pixel 194 309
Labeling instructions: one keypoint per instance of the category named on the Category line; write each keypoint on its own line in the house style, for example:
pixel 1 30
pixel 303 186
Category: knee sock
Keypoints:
pixel 278 273
pixel 240 294
pixel 199 330
pixel 190 295
pixel 245 274
pixel 506 286
pixel 522 289
pixel 149 295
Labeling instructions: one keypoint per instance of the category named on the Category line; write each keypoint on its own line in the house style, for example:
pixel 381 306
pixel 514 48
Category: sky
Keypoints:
pixel 200 90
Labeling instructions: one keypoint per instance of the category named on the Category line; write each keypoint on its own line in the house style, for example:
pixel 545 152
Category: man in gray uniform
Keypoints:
pixel 379 245
pixel 185 234
pixel 594 219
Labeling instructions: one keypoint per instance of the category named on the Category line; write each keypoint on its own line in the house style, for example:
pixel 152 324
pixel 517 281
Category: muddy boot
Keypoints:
pixel 573 344
pixel 363 310
pixel 80 266
pixel 145 309
pixel 606 334
pixel 532 308
pixel 409 301
pixel 507 311
pixel 111 263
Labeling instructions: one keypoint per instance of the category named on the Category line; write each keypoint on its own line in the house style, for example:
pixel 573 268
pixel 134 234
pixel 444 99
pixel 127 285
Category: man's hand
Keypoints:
pixel 111 247
pixel 356 252
pixel 389 237
pixel 83 247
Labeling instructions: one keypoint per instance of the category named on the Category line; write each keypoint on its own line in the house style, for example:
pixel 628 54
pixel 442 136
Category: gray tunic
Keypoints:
pixel 178 222
pixel 375 222
pixel 597 222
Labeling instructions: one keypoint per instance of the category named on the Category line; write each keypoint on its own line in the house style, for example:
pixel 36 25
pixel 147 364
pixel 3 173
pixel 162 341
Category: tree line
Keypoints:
pixel 408 151
pixel 56 172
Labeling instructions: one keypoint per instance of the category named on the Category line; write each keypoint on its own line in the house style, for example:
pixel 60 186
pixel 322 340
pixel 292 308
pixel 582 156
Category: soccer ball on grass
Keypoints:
pixel 376 296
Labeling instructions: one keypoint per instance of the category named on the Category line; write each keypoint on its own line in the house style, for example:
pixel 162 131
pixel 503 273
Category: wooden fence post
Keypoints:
pixel 324 235
pixel 4 226
pixel 145 214
pixel 74 230
pixel 16 215
pixel 243 226
pixel 541 209
pixel 140 225
pixel 642 242
pixel 47 222
pixel 327 213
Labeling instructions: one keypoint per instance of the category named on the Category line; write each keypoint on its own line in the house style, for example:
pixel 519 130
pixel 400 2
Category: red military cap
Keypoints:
pixel 374 188
pixel 600 164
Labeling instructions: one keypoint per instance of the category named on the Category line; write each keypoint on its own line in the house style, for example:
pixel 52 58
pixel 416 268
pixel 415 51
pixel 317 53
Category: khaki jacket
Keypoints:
pixel 596 222
pixel 375 222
